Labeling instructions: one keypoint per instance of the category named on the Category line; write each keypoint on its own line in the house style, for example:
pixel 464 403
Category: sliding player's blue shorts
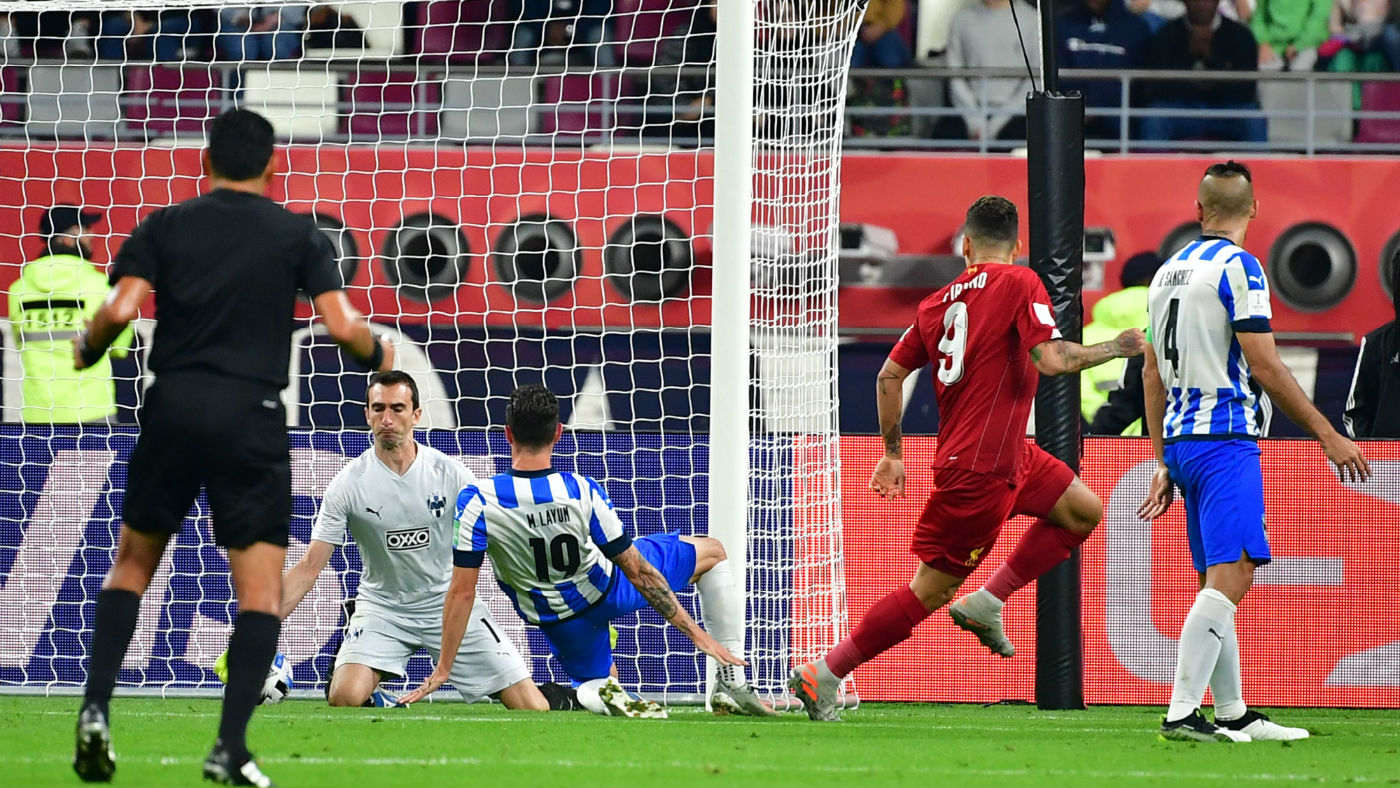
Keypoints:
pixel 1223 488
pixel 581 643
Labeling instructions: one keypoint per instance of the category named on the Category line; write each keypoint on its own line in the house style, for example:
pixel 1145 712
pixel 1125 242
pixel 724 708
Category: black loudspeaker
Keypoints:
pixel 648 258
pixel 537 257
pixel 1179 237
pixel 425 257
pixel 1390 266
pixel 347 252
pixel 1312 266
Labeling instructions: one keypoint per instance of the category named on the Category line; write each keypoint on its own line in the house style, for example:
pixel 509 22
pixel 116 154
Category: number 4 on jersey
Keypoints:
pixel 1169 351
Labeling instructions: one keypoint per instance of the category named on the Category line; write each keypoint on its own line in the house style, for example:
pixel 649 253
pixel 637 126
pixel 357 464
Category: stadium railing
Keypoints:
pixel 419 99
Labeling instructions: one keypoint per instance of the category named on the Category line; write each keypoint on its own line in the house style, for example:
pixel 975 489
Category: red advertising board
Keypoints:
pixel 1320 628
pixel 481 192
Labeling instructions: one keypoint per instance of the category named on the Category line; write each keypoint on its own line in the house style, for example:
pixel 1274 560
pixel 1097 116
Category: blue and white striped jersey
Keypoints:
pixel 1198 301
pixel 550 535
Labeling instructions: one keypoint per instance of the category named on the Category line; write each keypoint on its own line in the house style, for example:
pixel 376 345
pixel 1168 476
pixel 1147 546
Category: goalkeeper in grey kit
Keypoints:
pixel 397 501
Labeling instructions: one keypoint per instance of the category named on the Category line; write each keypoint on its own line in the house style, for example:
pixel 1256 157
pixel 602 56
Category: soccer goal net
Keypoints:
pixel 582 193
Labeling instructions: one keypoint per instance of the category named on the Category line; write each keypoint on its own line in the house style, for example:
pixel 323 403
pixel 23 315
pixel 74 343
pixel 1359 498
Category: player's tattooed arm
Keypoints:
pixel 657 592
pixel 894 440
pixel 652 585
pixel 1062 357
pixel 889 405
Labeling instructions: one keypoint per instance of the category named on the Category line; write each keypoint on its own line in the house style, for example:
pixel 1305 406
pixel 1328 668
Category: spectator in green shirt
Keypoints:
pixel 1289 32
pixel 50 302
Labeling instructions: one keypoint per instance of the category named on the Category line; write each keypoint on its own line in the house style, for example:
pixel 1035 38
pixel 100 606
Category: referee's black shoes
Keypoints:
pixel 93 758
pixel 225 768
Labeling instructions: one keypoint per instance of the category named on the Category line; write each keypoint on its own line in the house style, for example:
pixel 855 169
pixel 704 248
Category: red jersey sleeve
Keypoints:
pixel 1035 319
pixel 910 351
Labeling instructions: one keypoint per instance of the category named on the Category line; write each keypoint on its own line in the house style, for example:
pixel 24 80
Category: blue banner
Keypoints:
pixel 61 493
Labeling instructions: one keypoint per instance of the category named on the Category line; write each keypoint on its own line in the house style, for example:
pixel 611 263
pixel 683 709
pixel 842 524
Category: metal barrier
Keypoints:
pixel 1308 113
pixel 1306 100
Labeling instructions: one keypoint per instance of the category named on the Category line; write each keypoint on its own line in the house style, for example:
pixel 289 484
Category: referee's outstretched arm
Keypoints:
pixel 349 329
pixel 343 321
pixel 122 305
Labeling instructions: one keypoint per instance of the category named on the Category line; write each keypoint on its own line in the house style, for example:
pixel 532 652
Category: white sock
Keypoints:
pixel 1211 620
pixel 1226 686
pixel 722 611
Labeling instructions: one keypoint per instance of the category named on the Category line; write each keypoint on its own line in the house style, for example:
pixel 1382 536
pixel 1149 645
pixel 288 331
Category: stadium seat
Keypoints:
pixel 486 107
pixel 74 101
pixel 642 24
pixel 11 101
pixel 390 105
pixel 461 31
pixel 1331 121
pixel 161 100
pixel 577 104
pixel 1379 97
pixel 300 103
pixel 435 30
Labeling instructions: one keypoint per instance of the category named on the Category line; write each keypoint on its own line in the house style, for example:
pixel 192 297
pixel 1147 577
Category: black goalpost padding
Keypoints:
pixel 1055 180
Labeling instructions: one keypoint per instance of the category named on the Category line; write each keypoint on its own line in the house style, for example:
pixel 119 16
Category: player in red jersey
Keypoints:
pixel 988 335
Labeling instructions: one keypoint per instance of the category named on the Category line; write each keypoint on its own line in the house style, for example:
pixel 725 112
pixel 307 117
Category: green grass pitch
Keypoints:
pixel 306 743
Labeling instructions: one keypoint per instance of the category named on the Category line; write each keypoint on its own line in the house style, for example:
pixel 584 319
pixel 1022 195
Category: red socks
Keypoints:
pixel 1043 547
pixel 891 620
pixel 888 623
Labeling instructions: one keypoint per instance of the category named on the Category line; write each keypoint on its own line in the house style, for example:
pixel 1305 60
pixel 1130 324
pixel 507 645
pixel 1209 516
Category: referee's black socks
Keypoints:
pixel 113 625
pixel 251 650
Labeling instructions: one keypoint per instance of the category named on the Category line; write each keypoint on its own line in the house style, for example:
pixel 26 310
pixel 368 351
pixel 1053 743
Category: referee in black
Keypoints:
pixel 226 268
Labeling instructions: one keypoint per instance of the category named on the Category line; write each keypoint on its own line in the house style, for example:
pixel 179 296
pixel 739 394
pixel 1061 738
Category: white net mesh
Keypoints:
pixel 517 192
pixel 802 50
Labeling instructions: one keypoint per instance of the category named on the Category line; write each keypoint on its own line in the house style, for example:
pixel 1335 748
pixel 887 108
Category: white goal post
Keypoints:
pixel 637 208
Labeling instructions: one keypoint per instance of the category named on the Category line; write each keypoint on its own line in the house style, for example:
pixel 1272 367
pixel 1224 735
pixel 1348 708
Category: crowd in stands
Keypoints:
pixel 1167 35
pixel 1106 35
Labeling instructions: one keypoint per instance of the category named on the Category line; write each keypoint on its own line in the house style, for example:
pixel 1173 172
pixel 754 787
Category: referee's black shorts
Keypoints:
pixel 229 436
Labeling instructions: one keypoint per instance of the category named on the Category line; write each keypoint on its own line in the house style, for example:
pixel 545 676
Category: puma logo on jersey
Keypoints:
pixel 1259 279
pixel 375 512
pixel 407 539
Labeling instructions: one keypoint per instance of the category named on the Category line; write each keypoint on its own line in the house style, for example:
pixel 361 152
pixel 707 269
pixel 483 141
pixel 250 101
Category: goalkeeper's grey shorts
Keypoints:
pixel 487 661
